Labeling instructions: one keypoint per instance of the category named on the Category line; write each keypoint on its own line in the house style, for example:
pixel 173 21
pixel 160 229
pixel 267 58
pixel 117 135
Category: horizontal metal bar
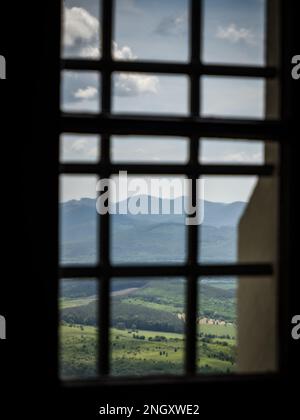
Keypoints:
pixel 172 126
pixel 167 169
pixel 260 170
pixel 238 71
pixel 168 68
pixel 168 271
pixel 180 380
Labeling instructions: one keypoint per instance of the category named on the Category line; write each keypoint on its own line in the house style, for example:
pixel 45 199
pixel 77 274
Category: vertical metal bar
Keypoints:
pixel 107 24
pixel 104 236
pixel 195 54
pixel 51 106
pixel 287 281
pixel 192 289
pixel 192 292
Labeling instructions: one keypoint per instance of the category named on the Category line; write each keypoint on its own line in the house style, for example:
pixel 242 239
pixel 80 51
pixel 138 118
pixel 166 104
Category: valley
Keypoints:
pixel 147 333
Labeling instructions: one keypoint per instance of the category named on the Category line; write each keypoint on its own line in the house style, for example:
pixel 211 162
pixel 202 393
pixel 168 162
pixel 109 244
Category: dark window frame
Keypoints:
pixel 193 127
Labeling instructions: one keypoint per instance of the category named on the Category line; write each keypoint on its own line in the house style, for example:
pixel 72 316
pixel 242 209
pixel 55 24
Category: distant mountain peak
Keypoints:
pixel 216 214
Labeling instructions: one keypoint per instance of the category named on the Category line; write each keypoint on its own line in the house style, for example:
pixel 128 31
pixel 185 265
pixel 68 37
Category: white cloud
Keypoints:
pixel 79 148
pixel 234 157
pixel 234 34
pixel 87 93
pixel 172 25
pixel 125 84
pixel 81 31
pixel 123 53
pixel 79 145
pixel 130 84
pixel 129 7
pixel 89 52
pixel 82 146
pixel 81 36
pixel 243 157
pixel 119 53
pixel 79 25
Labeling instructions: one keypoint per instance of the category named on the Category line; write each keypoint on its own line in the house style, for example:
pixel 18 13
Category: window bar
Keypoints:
pixel 173 126
pixel 170 169
pixel 104 240
pixel 203 270
pixel 191 301
pixel 171 68
pixel 192 127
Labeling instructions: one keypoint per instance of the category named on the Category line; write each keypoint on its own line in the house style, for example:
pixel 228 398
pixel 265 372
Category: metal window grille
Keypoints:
pixel 194 127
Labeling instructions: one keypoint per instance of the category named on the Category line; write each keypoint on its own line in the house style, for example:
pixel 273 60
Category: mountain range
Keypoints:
pixel 153 238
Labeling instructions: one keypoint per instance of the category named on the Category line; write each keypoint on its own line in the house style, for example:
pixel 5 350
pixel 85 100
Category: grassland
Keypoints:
pixel 78 351
pixel 139 352
pixel 75 302
pixel 218 330
pixel 146 331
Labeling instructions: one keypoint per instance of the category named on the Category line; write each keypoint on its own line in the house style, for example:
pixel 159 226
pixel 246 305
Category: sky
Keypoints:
pixel 233 32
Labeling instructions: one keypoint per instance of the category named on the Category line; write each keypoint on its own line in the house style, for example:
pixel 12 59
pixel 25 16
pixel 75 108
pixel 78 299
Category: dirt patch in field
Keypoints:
pixel 124 292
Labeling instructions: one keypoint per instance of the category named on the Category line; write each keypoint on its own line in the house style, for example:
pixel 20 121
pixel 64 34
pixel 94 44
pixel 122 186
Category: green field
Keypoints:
pixel 147 333
pixel 75 302
pixel 218 330
pixel 140 352
pixel 78 351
